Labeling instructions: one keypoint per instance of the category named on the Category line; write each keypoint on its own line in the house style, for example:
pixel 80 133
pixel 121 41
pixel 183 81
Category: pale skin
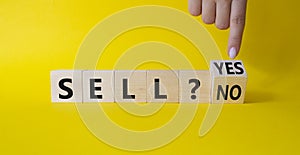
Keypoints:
pixel 225 14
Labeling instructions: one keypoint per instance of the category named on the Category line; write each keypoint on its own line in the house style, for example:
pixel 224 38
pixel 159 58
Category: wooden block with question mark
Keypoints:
pixel 194 86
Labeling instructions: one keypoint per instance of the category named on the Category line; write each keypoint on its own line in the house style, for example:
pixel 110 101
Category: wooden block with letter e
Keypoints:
pixel 228 81
pixel 130 86
pixel 194 86
pixel 66 86
pixel 162 86
pixel 98 86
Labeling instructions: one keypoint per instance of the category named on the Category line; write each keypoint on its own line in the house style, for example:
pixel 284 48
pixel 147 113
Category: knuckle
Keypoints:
pixel 195 12
pixel 223 1
pixel 238 20
pixel 235 39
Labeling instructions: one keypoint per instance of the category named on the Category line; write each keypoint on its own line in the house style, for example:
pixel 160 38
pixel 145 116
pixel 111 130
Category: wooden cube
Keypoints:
pixel 66 86
pixel 162 86
pixel 98 86
pixel 194 86
pixel 130 86
pixel 229 79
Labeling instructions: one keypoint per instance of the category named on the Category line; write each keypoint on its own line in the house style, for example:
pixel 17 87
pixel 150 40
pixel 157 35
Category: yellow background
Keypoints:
pixel 39 36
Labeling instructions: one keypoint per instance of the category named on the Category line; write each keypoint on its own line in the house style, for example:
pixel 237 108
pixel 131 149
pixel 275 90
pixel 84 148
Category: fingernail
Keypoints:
pixel 232 53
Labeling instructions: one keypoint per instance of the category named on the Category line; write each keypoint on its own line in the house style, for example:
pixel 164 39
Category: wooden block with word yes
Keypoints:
pixel 130 86
pixel 162 86
pixel 66 86
pixel 229 79
pixel 194 86
pixel 98 86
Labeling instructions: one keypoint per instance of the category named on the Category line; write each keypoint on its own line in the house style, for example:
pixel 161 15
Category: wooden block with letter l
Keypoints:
pixel 66 86
pixel 228 81
pixel 130 86
pixel 98 86
pixel 162 86
pixel 194 86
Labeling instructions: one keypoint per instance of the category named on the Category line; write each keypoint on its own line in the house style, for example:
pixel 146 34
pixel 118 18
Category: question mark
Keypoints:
pixel 196 86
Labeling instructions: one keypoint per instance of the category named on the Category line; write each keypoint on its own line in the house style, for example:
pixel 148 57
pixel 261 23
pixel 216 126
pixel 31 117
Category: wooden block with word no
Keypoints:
pixel 229 79
pixel 98 86
pixel 162 86
pixel 130 86
pixel 66 86
pixel 194 86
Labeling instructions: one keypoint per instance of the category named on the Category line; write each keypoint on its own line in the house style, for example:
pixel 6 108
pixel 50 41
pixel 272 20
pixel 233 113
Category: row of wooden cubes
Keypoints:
pixel 224 83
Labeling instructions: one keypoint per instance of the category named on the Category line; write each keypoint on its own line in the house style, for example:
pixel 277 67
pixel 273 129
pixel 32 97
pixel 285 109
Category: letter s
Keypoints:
pixel 65 88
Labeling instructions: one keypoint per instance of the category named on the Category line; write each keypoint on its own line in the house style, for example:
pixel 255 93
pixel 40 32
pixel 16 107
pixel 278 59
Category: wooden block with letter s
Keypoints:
pixel 66 86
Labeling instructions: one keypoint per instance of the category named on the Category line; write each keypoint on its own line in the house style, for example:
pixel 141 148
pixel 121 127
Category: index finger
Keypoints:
pixel 237 23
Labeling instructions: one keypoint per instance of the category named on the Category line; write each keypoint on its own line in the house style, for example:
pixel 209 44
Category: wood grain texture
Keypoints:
pixel 166 83
pixel 136 85
pixel 228 81
pixel 202 94
pixel 98 86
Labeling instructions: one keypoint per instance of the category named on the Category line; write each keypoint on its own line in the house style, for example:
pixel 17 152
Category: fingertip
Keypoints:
pixel 234 42
pixel 208 19
pixel 194 12
pixel 232 53
pixel 223 26
pixel 194 7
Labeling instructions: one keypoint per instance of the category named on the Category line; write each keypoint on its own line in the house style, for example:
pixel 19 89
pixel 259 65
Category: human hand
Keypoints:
pixel 225 14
